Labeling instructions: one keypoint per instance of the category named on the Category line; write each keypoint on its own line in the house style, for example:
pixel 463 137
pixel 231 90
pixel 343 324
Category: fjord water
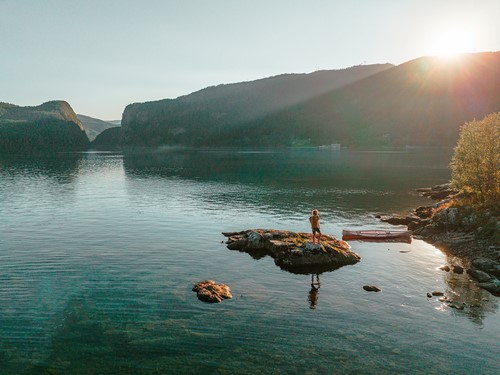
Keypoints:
pixel 99 252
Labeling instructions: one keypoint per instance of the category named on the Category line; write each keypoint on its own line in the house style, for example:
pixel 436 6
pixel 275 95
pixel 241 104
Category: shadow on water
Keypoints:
pixel 62 168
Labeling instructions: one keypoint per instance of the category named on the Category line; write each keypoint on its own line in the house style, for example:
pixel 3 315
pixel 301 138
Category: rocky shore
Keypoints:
pixel 462 231
pixel 293 251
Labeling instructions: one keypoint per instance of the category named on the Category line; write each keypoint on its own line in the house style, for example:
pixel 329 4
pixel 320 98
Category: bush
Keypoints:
pixel 476 163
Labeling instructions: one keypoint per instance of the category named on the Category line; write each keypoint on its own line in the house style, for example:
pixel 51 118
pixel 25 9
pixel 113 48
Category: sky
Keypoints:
pixel 101 55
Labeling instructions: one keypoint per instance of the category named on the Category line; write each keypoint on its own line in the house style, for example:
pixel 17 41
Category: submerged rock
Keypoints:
pixel 210 291
pixel 371 288
pixel 294 251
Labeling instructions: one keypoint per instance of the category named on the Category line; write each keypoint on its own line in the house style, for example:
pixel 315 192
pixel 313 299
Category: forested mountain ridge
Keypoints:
pixel 198 118
pixel 49 127
pixel 420 102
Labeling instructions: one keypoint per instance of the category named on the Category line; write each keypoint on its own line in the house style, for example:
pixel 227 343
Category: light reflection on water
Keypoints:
pixel 99 253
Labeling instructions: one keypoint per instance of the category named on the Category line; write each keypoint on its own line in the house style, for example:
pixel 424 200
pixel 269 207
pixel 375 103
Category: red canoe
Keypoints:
pixel 399 235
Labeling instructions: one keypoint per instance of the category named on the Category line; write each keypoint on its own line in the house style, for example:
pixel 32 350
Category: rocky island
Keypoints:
pixel 293 251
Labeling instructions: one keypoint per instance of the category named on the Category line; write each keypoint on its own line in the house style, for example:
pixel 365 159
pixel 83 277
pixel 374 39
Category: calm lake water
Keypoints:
pixel 99 252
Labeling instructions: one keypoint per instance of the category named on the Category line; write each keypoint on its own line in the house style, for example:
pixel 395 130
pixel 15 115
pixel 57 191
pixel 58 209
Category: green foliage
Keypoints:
pixel 476 162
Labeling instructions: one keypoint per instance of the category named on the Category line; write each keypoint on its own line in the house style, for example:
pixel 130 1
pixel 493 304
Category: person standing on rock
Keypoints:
pixel 314 220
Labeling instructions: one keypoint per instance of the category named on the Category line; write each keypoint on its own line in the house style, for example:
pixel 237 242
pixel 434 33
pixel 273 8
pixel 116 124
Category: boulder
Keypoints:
pixel 210 291
pixel 399 220
pixel 423 212
pixel 294 251
pixel 491 286
pixel 479 275
pixel 487 265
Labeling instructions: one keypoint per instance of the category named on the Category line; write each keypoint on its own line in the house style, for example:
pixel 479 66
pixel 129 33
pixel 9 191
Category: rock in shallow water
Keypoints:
pixel 294 251
pixel 210 291
pixel 371 288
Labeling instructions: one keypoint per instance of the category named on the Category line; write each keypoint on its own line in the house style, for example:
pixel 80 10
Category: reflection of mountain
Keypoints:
pixel 61 168
pixel 423 102
pixel 52 127
pixel 358 170
pixel 339 181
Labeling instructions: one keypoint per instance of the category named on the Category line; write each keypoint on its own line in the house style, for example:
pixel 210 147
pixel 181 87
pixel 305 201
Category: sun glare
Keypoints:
pixel 452 42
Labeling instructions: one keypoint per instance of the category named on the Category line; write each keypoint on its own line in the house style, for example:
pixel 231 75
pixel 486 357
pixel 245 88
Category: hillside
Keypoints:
pixel 50 127
pixel 420 102
pixel 204 116
pixel 94 126
pixel 109 139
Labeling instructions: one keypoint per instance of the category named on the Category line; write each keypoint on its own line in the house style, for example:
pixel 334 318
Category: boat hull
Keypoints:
pixel 377 235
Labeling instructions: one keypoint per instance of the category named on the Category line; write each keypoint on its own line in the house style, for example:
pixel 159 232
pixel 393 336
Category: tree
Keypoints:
pixel 476 163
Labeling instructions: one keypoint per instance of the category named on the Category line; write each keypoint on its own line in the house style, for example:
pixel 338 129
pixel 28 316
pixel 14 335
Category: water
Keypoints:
pixel 99 252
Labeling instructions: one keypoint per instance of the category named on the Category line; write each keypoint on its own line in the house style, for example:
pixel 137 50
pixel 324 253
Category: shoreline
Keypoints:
pixel 462 232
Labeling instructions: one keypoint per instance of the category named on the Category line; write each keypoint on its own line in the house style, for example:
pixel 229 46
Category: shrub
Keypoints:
pixel 476 163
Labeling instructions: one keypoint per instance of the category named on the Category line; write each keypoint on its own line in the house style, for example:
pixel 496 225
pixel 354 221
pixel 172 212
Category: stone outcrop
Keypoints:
pixel 210 291
pixel 294 251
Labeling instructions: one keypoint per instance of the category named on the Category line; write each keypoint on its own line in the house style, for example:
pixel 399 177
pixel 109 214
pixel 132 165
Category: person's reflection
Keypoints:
pixel 313 293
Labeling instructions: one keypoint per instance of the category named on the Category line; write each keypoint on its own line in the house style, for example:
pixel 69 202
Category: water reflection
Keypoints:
pixel 341 183
pixel 347 169
pixel 466 298
pixel 313 293
pixel 61 168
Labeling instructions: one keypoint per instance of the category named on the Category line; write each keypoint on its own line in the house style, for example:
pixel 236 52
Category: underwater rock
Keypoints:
pixel 210 291
pixel 294 251
pixel 371 288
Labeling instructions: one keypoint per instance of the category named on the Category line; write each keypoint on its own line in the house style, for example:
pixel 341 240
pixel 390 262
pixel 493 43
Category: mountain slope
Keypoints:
pixel 420 102
pixel 423 101
pixel 200 117
pixel 52 126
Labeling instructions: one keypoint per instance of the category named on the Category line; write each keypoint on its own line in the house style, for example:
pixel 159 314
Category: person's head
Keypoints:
pixel 315 212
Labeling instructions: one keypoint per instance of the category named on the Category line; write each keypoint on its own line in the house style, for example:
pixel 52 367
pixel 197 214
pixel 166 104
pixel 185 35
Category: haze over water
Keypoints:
pixel 99 252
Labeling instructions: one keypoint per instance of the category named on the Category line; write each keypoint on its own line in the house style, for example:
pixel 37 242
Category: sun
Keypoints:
pixel 452 42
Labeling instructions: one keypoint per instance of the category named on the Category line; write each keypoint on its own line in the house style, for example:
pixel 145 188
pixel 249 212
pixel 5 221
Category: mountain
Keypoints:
pixel 109 139
pixel 203 117
pixel 94 126
pixel 50 127
pixel 420 102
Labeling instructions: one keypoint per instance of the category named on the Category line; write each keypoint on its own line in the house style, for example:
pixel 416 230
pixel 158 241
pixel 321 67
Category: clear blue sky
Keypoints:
pixel 102 55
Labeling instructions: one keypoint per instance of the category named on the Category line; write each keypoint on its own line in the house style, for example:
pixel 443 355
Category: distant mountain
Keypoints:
pixel 115 122
pixel 50 127
pixel 109 139
pixel 204 117
pixel 420 102
pixel 94 126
